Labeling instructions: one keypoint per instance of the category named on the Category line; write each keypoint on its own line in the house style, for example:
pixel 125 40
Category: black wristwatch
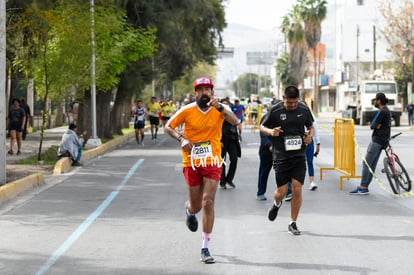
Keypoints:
pixel 180 138
pixel 220 109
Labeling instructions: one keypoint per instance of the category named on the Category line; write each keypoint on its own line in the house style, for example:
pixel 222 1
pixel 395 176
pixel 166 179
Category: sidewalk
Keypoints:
pixel 26 177
pixel 30 146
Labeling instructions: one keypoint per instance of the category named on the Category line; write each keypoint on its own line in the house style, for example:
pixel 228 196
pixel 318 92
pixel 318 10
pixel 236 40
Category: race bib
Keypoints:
pixel 201 150
pixel 154 113
pixel 293 143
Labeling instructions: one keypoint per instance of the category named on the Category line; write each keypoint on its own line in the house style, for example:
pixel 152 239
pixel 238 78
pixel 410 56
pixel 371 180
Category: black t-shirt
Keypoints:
pixel 16 116
pixel 289 143
pixel 382 135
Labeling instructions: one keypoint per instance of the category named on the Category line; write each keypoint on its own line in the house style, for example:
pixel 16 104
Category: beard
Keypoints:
pixel 202 101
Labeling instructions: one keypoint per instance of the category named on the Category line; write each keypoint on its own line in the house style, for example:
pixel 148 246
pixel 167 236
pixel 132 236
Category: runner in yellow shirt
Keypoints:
pixel 154 110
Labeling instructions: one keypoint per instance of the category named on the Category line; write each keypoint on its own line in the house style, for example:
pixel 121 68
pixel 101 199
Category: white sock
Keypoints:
pixel 277 204
pixel 206 239
pixel 291 222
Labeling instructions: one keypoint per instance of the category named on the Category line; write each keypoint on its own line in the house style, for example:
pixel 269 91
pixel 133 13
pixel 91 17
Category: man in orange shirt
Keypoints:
pixel 201 154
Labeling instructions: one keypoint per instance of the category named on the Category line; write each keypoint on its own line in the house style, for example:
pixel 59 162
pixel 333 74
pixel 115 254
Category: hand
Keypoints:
pixel 316 154
pixel 275 132
pixel 213 102
pixel 186 145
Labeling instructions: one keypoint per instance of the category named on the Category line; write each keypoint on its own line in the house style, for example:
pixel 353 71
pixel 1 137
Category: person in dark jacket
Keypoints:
pixel 26 109
pixel 231 146
pixel 265 165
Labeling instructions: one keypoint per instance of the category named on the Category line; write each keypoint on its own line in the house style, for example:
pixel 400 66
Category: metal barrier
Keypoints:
pixel 344 149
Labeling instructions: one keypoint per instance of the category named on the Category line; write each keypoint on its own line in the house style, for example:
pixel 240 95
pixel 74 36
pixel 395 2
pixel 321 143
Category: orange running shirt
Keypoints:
pixel 204 130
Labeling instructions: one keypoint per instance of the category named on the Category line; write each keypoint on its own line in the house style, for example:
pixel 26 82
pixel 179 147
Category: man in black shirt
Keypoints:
pixel 286 125
pixel 381 126
pixel 26 109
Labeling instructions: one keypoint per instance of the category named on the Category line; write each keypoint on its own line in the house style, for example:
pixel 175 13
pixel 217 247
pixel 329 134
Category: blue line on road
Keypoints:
pixel 161 142
pixel 82 228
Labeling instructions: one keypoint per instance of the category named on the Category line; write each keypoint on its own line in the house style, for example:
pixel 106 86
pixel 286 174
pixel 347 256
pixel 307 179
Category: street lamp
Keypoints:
pixel 94 141
pixel 412 63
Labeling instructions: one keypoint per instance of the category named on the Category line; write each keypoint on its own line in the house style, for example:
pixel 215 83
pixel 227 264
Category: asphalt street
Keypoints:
pixel 123 213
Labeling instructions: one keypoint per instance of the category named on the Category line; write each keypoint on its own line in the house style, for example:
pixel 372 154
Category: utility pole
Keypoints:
pixel 357 57
pixel 3 178
pixel 94 141
pixel 375 48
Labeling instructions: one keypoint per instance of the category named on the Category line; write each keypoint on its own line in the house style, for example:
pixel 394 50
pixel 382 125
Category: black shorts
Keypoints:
pixel 165 118
pixel 288 169
pixel 139 126
pixel 15 127
pixel 154 120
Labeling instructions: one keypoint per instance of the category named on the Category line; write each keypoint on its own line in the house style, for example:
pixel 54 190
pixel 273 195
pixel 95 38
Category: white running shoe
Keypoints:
pixel 313 186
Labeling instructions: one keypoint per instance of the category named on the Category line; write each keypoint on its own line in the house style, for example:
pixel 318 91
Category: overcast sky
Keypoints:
pixel 261 14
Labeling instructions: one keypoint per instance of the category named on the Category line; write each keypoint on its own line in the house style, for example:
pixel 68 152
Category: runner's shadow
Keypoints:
pixel 295 265
pixel 365 237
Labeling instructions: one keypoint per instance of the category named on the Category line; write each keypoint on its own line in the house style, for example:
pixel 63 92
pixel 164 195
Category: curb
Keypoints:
pixel 12 189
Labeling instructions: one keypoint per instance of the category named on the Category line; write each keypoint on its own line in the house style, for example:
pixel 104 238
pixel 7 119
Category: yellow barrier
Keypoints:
pixel 344 149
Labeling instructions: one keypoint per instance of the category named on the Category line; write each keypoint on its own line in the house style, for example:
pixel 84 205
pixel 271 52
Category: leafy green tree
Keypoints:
pixel 282 68
pixel 313 13
pixel 248 85
pixel 187 33
pixel 292 27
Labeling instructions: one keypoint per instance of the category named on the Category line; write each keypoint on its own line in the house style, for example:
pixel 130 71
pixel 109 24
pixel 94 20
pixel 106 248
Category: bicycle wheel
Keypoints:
pixel 403 177
pixel 388 169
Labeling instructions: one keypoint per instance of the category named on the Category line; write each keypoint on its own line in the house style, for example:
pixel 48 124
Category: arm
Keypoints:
pixel 186 144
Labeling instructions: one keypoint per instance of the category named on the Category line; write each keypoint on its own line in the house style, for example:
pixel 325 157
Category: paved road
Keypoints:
pixel 123 213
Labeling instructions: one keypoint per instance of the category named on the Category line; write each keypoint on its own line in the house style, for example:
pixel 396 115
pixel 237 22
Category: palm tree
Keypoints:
pixel 292 27
pixel 313 12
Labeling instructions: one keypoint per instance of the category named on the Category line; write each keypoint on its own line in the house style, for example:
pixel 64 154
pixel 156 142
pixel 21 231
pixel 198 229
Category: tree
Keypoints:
pixel 247 83
pixel 313 13
pixel 63 61
pixel 282 68
pixel 399 34
pixel 187 33
pixel 292 27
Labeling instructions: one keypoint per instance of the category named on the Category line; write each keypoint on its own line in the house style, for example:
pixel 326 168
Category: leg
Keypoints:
pixel 232 150
pixel 372 156
pixel 209 193
pixel 152 131
pixel 137 135
pixel 142 132
pixel 296 199
pixel 264 170
pixel 19 141
pixel 12 139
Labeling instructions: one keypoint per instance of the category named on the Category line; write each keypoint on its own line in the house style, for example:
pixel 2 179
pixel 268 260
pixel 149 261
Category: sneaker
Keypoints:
pixel 206 257
pixel 231 184
pixel 10 152
pixel 272 213
pixel 293 229
pixel 223 185
pixel 288 197
pixel 359 191
pixel 190 219
pixel 76 163
pixel 313 186
pixel 261 197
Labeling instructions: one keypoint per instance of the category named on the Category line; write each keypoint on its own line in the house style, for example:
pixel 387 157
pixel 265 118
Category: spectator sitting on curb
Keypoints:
pixel 71 145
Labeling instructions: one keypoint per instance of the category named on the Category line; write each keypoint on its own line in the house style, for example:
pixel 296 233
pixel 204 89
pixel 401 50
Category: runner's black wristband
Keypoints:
pixel 220 109
pixel 180 138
